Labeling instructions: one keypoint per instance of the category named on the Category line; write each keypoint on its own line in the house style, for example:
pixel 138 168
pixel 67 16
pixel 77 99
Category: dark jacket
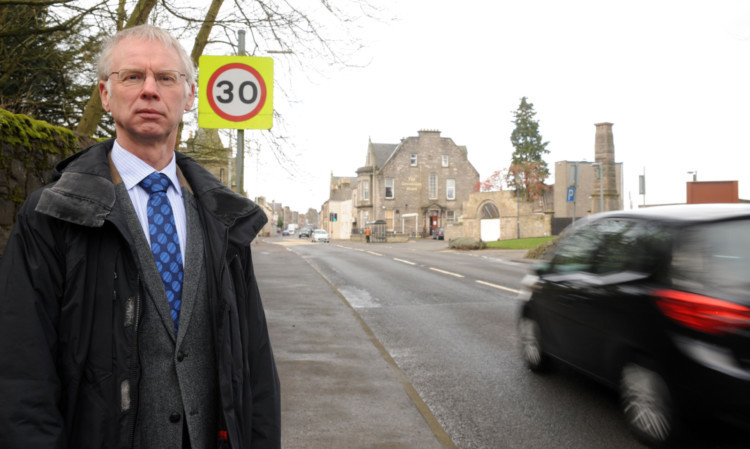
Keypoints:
pixel 70 303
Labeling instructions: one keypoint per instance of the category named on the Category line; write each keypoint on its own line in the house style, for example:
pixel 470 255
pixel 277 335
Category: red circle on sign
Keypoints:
pixel 217 109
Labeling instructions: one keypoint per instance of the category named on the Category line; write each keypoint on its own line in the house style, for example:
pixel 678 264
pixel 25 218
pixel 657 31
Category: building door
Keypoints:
pixel 434 214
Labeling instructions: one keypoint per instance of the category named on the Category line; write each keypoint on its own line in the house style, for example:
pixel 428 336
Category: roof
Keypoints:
pixel 686 212
pixel 381 152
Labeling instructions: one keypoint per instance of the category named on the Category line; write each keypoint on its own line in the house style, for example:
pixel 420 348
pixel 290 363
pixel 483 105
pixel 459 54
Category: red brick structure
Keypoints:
pixel 713 192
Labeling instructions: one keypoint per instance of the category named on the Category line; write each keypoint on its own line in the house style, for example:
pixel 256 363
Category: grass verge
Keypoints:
pixel 519 243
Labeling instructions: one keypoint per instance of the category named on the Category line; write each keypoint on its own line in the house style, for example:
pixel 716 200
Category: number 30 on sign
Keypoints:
pixel 235 92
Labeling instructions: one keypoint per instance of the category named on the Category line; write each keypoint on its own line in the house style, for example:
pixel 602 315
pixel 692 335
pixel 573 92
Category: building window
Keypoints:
pixel 489 210
pixel 433 186
pixel 365 190
pixel 450 189
pixel 445 160
pixel 413 159
pixel 389 183
pixel 450 216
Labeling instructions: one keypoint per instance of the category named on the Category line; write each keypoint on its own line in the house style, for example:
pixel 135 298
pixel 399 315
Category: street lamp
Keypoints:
pixel 695 175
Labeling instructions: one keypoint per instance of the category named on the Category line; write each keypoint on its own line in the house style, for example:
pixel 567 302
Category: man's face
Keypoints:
pixel 148 112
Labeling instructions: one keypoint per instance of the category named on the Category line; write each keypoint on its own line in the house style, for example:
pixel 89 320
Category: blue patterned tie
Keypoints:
pixel 165 244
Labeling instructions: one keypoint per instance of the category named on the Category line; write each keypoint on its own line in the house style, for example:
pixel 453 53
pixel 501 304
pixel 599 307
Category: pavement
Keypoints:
pixel 340 387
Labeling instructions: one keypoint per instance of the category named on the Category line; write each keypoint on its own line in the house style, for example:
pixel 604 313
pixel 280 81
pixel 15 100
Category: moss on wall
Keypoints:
pixel 29 150
pixel 22 130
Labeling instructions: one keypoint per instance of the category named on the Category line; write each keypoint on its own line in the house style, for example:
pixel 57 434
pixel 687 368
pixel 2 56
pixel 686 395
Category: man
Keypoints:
pixel 129 312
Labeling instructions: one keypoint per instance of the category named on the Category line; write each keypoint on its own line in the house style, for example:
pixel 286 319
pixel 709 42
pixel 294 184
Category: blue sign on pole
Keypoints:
pixel 571 194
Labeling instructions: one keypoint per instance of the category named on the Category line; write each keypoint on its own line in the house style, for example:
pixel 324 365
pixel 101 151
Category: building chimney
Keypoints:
pixel 604 153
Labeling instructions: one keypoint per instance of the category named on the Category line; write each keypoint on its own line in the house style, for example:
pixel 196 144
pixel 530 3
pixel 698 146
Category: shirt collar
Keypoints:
pixel 133 169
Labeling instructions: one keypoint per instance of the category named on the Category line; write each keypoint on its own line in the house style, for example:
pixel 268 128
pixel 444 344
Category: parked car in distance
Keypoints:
pixel 655 303
pixel 285 232
pixel 439 234
pixel 320 235
pixel 305 232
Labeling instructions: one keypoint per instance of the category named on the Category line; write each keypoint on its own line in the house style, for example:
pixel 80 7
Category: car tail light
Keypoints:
pixel 703 313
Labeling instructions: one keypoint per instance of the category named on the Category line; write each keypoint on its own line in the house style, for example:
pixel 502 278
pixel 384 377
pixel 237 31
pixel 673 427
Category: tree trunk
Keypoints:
pixel 120 14
pixel 202 38
pixel 200 44
pixel 92 115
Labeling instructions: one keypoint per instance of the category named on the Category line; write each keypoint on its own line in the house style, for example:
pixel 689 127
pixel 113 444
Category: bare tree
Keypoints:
pixel 312 38
pixel 93 112
pixel 526 178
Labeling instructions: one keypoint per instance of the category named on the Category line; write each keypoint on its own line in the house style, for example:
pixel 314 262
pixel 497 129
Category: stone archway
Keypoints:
pixel 489 221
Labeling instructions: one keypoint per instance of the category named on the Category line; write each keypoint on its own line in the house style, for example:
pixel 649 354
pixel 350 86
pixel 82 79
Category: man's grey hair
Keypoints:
pixel 148 33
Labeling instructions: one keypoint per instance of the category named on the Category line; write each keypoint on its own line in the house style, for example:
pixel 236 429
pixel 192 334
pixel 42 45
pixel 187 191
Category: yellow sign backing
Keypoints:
pixel 235 92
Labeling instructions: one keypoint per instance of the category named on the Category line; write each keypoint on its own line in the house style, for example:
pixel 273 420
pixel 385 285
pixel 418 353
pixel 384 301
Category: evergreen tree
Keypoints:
pixel 43 55
pixel 528 169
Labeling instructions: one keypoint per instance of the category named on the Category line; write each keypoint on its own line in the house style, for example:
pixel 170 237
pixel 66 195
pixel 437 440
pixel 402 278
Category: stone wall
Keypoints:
pixel 29 150
pixel 512 215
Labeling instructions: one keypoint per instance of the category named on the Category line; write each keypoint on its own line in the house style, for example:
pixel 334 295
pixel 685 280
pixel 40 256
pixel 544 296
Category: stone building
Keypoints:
pixel 340 204
pixel 312 218
pixel 208 150
pixel 269 228
pixel 415 186
pixel 591 192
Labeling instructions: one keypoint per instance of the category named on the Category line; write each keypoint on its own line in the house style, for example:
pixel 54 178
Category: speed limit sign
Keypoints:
pixel 235 92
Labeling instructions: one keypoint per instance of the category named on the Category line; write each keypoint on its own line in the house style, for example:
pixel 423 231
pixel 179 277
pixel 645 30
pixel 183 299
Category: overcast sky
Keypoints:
pixel 672 76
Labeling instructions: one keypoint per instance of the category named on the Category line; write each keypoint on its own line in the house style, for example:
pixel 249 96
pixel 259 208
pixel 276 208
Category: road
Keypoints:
pixel 447 318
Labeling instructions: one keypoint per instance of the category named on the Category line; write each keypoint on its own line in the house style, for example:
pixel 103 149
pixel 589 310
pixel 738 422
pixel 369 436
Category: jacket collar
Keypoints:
pixel 83 192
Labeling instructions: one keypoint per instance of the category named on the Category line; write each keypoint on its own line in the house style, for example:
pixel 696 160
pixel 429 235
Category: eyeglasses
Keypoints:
pixel 164 78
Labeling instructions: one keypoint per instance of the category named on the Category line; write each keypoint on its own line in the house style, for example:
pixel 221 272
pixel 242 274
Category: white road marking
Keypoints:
pixel 446 272
pixel 500 287
pixel 292 243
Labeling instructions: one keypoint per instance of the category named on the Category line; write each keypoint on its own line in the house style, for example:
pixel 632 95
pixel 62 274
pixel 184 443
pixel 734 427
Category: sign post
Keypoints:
pixel 236 92
pixel 642 185
pixel 571 194
pixel 573 183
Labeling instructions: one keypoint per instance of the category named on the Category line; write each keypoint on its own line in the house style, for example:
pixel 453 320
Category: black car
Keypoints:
pixel 655 303
pixel 305 232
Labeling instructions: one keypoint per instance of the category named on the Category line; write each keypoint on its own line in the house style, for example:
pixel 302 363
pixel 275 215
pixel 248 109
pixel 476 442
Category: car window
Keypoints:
pixel 610 246
pixel 615 245
pixel 629 245
pixel 713 258
pixel 575 250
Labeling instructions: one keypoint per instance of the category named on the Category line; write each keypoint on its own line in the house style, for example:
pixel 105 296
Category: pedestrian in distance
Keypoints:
pixel 130 315
pixel 368 233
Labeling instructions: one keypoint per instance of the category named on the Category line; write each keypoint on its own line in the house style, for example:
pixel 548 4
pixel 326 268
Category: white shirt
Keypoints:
pixel 133 170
